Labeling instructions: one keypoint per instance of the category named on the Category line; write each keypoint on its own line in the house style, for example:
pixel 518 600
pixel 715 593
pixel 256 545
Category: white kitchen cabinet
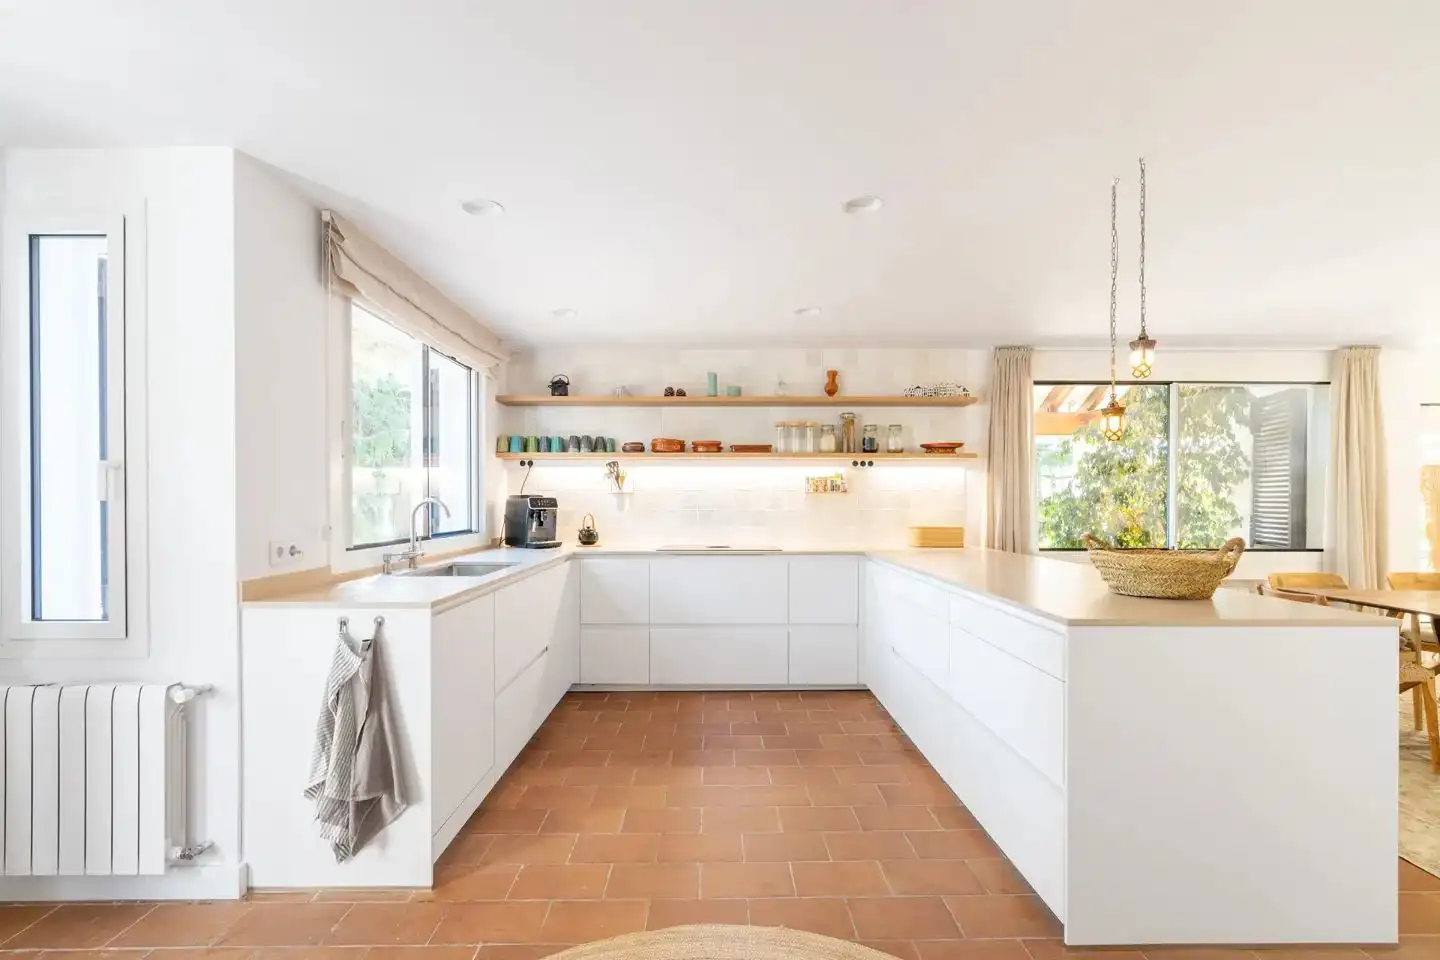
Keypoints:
pixel 614 654
pixel 824 590
pixel 564 662
pixel 719 656
pixel 462 705
pixel 1023 706
pixel 918 636
pixel 527 618
pixel 614 590
pixel 824 656
pixel 520 708
pixel 719 590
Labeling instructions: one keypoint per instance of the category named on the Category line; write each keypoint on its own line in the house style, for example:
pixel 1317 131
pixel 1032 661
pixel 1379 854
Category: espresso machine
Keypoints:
pixel 530 521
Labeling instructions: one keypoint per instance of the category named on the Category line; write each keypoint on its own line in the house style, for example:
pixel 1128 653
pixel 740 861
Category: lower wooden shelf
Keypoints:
pixel 877 458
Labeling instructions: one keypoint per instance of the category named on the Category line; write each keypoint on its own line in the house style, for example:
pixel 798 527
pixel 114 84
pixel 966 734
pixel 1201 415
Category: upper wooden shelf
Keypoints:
pixel 817 400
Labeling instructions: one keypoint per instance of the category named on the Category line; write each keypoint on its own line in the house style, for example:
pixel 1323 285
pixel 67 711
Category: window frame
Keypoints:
pixel 345 557
pixel 1172 468
pixel 122 473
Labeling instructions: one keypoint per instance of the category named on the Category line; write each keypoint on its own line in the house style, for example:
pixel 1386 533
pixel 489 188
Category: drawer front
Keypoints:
pixel 822 656
pixel 719 655
pixel 1021 705
pixel 716 590
pixel 899 585
pixel 918 637
pixel 825 590
pixel 615 590
pixel 614 654
pixel 1041 648
pixel 519 710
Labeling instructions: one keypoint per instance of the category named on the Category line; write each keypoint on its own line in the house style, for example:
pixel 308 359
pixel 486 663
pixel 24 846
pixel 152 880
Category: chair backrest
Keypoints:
pixel 1413 581
pixel 1284 581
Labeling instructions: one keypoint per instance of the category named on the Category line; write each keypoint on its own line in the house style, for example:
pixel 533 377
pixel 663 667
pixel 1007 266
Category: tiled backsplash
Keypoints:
pixel 743 503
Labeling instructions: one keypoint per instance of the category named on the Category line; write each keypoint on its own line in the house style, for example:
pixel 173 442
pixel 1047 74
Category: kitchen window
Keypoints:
pixel 1199 463
pixel 413 421
pixel 64 480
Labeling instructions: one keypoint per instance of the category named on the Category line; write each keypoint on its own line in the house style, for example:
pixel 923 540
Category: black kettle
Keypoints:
pixel 559 385
pixel 588 535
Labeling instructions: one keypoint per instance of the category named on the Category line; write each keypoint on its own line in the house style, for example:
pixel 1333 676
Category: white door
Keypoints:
pixel 824 590
pixel 713 590
pixel 615 590
pixel 462 704
pixel 614 654
pixel 719 655
pixel 824 656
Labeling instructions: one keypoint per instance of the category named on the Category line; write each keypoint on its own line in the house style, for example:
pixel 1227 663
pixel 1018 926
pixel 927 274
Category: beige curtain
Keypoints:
pixel 361 268
pixel 1356 491
pixel 1009 488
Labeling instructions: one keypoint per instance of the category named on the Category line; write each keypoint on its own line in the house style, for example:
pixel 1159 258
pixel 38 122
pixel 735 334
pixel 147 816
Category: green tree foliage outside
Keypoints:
pixel 380 440
pixel 1120 490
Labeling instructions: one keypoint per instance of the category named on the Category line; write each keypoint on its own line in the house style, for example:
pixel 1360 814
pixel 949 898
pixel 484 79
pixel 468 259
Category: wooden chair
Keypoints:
pixel 1416 635
pixel 1279 582
pixel 1421 681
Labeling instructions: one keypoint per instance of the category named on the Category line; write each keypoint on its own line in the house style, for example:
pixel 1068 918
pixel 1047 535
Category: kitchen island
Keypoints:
pixel 1160 772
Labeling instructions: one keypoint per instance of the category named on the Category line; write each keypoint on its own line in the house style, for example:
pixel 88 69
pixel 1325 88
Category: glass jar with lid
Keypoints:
pixel 870 443
pixel 848 443
pixel 894 442
pixel 782 436
pixel 797 436
pixel 827 438
pixel 809 433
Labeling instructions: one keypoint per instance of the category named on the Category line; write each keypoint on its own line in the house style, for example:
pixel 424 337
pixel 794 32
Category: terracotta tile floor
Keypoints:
pixel 640 811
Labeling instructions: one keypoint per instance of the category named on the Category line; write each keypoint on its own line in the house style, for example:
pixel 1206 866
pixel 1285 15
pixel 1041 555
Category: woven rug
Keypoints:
pixel 1419 796
pixel 716 942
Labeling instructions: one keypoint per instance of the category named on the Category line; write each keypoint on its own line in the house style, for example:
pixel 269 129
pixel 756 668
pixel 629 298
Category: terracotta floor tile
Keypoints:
pixel 576 757
pixel 730 741
pixel 900 949
pixel 812 819
pixel 702 758
pixel 599 776
pixel 827 917
pixel 760 728
pixel 858 878
pixel 954 818
pixel 16 917
pixel 736 776
pixel 702 848
pixel 650 798
pixel 472 847
pixel 537 776
pixel 806 775
pixel 1053 950
pixel 920 918
pixel 930 877
pixel 640 758
pixel 794 741
pixel 282 925
pixel 845 795
pixel 362 895
pixel 1412 878
pixel 679 913
pixel 896 818
pixel 846 741
pixel 724 880
pixel 185 925
pixel 827 758
pixel 668 776
pixel 1419 913
pixel 901 794
pixel 667 820
pixel 555 798
pixel 872 774
pixel 490 881
pixel 1003 916
pixel 972 950
pixel 616 848
pixel 787 795
pixel 1409 948
pixel 953 845
pixel 580 921
pixel 647 880
pixel 784 847
pixel 554 848
pixel 869 845
pixel 515 921
pixel 560 881
pixel 369 924
pixel 739 820
pixel 999 876
pixel 767 758
pixel 518 951
pixel 603 820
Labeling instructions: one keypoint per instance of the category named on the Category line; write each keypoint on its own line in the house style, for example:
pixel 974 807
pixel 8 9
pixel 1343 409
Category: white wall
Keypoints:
pixel 182 202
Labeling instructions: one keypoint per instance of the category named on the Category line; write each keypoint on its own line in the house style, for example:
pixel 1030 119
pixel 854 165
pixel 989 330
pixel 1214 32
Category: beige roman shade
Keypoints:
pixel 361 268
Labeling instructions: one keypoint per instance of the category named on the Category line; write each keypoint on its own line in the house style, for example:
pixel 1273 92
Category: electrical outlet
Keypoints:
pixel 286 553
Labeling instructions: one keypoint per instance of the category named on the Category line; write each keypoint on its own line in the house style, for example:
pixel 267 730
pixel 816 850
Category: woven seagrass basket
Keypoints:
pixel 1164 574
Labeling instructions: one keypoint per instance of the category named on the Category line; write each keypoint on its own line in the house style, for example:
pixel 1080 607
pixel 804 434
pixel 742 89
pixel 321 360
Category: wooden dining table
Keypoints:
pixel 1413 603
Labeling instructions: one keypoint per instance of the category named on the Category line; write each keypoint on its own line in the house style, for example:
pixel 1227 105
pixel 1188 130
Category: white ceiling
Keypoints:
pixel 674 169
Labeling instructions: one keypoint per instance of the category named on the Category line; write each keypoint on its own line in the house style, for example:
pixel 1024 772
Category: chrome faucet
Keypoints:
pixel 413 553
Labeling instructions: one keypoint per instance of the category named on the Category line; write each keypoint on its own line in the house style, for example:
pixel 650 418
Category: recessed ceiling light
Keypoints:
pixel 565 313
pixel 808 312
pixel 866 203
pixel 480 207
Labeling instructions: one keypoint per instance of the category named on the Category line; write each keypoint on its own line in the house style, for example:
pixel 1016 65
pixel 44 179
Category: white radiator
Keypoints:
pixel 93 779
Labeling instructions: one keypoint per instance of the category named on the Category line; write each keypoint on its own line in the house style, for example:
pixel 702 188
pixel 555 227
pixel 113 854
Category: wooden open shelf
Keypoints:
pixel 818 400
pixel 754 457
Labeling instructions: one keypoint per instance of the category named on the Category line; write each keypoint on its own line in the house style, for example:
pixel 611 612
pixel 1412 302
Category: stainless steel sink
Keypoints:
pixel 460 568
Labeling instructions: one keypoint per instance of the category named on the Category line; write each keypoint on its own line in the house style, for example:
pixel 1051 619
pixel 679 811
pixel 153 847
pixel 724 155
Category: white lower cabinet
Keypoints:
pixel 823 656
pixel 718 590
pixel 719 655
pixel 520 708
pixel 1022 705
pixel 614 654
pixel 462 715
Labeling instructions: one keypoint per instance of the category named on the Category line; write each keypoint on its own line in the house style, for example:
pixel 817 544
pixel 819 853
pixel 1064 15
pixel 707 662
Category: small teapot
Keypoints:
pixel 559 385
pixel 588 536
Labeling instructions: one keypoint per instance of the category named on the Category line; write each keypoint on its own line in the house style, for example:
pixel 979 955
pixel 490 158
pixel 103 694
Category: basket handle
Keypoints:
pixel 1230 552
pixel 1093 542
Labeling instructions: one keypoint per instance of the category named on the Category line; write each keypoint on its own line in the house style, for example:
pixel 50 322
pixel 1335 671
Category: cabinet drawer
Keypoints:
pixel 719 655
pixel 520 708
pixel 898 585
pixel 462 714
pixel 614 654
pixel 824 656
pixel 1037 646
pixel 919 638
pixel 1020 704
pixel 615 590
pixel 824 590
pixel 714 590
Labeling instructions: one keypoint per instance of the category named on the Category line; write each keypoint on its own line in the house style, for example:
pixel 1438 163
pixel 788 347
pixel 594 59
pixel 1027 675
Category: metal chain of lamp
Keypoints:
pixel 1142 348
pixel 1113 413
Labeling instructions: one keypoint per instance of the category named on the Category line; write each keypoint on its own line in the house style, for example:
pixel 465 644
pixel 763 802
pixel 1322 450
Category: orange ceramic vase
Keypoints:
pixel 832 382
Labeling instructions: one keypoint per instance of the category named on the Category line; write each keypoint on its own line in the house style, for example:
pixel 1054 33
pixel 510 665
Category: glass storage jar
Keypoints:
pixel 847 434
pixel 894 443
pixel 782 436
pixel 870 443
pixel 808 430
pixel 827 438
pixel 797 436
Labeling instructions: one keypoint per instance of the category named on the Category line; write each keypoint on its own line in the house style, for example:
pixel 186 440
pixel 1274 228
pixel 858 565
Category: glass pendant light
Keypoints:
pixel 1113 413
pixel 1142 348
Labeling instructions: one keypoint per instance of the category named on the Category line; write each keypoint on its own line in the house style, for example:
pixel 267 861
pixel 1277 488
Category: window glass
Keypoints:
pixel 69 481
pixel 448 455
